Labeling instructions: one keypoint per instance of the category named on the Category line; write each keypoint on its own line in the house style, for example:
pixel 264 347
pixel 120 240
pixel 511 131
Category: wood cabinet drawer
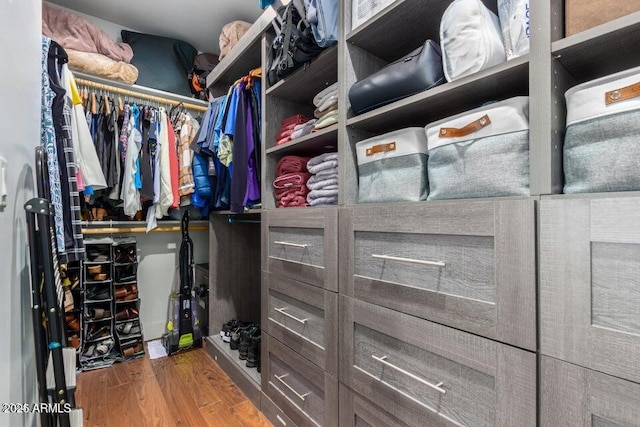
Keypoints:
pixel 469 265
pixel 590 282
pixel 303 317
pixel 356 411
pixel 302 244
pixel 418 370
pixel 304 392
pixel 273 413
pixel 575 396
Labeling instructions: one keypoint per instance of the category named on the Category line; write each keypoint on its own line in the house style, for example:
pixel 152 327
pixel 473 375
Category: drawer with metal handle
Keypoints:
pixel 304 317
pixel 357 411
pixel 306 394
pixel 590 281
pixel 302 245
pixel 469 265
pixel 424 373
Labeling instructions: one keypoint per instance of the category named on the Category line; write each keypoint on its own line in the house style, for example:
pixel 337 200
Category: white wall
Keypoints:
pixel 108 27
pixel 158 258
pixel 20 29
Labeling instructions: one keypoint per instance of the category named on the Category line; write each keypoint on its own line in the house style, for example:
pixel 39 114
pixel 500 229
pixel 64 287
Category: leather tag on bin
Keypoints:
pixel 381 148
pixel 622 94
pixel 466 130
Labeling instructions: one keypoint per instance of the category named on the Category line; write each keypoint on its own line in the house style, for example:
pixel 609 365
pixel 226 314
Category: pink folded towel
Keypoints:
pixel 290 164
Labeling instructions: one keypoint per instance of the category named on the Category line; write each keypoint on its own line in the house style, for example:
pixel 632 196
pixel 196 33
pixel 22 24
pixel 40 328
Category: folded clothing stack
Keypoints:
pixel 291 182
pixel 326 103
pixel 323 183
pixel 288 127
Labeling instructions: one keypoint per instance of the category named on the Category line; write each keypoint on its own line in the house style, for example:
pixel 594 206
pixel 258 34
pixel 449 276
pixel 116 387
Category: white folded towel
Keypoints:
pixel 326 92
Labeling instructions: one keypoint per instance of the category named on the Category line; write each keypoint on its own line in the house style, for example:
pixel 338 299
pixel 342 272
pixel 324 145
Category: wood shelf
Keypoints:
pixel 385 34
pixel 247 379
pixel 500 82
pixel 244 56
pixel 313 144
pixel 602 50
pixel 303 84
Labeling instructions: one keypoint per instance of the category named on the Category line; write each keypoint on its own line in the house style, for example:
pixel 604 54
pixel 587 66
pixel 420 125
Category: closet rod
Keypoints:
pixel 233 220
pixel 130 230
pixel 133 93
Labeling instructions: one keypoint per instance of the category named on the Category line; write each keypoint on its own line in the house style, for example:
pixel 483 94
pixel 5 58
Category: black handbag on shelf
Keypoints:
pixel 418 71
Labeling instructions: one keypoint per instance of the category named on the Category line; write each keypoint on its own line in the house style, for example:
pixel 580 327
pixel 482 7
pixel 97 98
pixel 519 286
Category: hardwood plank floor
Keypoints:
pixel 188 389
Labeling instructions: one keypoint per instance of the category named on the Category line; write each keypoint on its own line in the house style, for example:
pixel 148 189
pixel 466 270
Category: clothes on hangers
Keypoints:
pixel 230 139
pixel 56 137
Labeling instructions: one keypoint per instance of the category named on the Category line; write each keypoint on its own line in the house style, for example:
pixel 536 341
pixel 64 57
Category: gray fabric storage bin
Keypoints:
pixel 481 153
pixel 602 140
pixel 393 167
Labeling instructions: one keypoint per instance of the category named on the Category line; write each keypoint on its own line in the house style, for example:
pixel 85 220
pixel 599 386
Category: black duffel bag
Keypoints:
pixel 294 44
pixel 418 71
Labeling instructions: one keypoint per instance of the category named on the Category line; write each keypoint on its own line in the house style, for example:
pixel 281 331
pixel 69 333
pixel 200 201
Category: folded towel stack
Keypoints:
pixel 323 183
pixel 326 103
pixel 288 127
pixel 291 182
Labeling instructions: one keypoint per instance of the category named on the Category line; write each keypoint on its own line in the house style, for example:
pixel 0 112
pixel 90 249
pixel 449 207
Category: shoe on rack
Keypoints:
pixel 234 342
pixel 253 353
pixel 97 313
pixel 72 322
pixel 73 341
pixel 104 347
pixel 245 338
pixel 98 293
pixel 94 269
pixel 125 254
pixel 95 332
pixel 69 303
pixel 229 327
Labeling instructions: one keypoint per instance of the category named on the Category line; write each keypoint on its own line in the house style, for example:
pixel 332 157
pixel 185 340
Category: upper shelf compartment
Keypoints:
pixel 245 55
pixel 401 27
pixel 303 84
pixel 605 49
pixel 503 81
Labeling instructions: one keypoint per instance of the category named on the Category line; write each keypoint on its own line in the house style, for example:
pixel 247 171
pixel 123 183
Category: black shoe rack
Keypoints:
pixel 127 300
pixel 111 327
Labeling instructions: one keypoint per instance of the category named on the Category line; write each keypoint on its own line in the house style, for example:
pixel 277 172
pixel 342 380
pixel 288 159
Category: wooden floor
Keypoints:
pixel 188 389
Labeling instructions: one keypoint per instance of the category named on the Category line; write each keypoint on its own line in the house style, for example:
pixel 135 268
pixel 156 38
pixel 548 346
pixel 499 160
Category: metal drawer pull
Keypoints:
pixel 437 387
pixel 295 245
pixel 282 311
pixel 300 396
pixel 413 261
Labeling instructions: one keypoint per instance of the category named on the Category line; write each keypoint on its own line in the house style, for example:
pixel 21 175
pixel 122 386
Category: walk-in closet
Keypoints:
pixel 320 213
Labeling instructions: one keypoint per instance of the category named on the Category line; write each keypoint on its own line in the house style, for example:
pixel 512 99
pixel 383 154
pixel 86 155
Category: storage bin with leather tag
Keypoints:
pixel 393 167
pixel 580 15
pixel 481 153
pixel 416 72
pixel 602 140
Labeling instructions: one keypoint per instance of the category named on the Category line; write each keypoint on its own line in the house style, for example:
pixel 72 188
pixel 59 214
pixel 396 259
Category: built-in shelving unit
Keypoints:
pixel 508 79
pixel 601 50
pixel 303 84
pixel 243 57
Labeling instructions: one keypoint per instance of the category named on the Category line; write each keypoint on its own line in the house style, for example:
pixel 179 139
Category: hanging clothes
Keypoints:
pixel 86 156
pixel 173 167
pixel 130 194
pixel 185 156
pixel 72 247
pixel 48 142
pixel 106 139
pixel 166 193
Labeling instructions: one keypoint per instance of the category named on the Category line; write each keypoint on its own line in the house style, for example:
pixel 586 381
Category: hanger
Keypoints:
pixel 120 106
pixel 107 105
pixel 94 107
